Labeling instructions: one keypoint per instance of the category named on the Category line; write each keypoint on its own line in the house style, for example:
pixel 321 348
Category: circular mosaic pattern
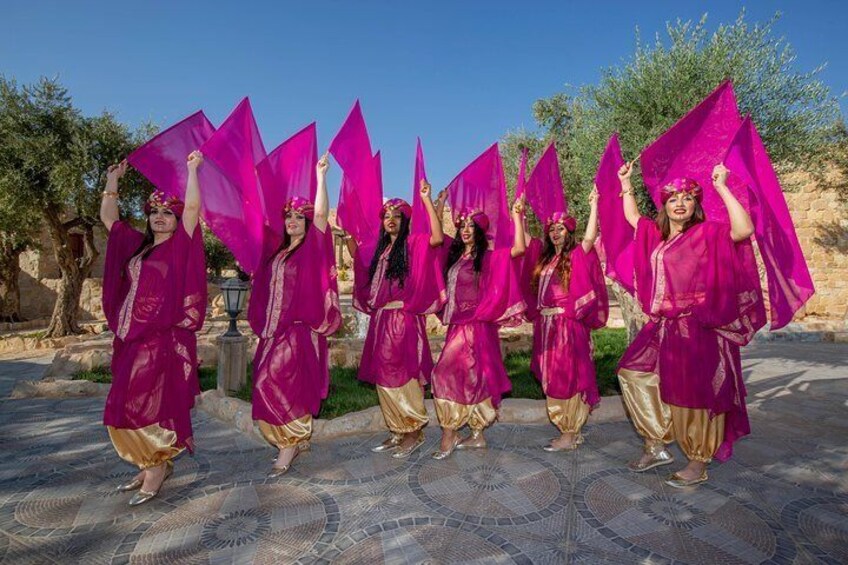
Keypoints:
pixel 491 487
pixel 424 540
pixel 822 522
pixel 347 463
pixel 273 522
pixel 75 500
pixel 638 513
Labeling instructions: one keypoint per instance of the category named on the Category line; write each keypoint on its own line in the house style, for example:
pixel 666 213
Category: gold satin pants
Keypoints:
pixel 403 407
pixel 698 435
pixel 287 435
pixel 568 415
pixel 145 447
pixel 453 415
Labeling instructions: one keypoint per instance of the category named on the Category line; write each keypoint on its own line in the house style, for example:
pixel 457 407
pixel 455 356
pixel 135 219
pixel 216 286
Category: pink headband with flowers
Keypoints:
pixel 159 199
pixel 681 185
pixel 301 206
pixel 476 216
pixel 398 204
pixel 561 218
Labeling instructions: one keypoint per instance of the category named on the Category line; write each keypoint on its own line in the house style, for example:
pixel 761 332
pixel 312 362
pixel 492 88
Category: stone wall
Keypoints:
pixel 821 220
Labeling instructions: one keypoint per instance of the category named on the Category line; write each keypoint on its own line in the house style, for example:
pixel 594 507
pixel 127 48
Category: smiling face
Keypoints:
pixel 466 231
pixel 391 221
pixel 557 234
pixel 680 207
pixel 295 224
pixel 162 220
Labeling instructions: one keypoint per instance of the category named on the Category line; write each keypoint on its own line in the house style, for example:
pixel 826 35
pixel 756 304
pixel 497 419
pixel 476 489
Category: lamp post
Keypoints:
pixel 234 292
pixel 232 345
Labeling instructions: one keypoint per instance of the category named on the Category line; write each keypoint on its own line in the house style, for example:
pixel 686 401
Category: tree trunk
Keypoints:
pixel 73 271
pixel 10 293
pixel 631 312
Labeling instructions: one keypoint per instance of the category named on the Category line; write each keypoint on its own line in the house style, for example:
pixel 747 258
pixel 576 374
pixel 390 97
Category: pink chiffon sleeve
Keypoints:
pixel 528 265
pixel 426 292
pixel 588 289
pixel 501 299
pixel 190 265
pixel 646 239
pixel 122 242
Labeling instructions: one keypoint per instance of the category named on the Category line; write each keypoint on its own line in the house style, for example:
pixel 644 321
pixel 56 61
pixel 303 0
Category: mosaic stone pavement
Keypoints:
pixel 783 498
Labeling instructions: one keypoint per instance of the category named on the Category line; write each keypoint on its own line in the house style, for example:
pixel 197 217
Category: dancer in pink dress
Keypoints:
pixel 154 298
pixel 294 306
pixel 483 294
pixel 681 378
pixel 566 299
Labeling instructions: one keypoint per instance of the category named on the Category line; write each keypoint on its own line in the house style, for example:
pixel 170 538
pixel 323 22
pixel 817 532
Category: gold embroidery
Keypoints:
pixel 125 317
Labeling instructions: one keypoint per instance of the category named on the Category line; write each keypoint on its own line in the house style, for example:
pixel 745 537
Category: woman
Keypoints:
pixel 154 297
pixel 566 299
pixel 399 286
pixel 482 294
pixel 681 378
pixel 293 308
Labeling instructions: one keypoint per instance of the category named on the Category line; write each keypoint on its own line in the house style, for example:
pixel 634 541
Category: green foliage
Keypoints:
pixel 795 112
pixel 218 257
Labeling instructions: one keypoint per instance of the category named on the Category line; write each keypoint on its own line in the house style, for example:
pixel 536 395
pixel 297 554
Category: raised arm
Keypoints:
pixel 322 202
pixel 437 236
pixel 741 226
pixel 191 212
pixel 440 207
pixel 631 209
pixel 519 245
pixel 592 225
pixel 351 245
pixel 109 204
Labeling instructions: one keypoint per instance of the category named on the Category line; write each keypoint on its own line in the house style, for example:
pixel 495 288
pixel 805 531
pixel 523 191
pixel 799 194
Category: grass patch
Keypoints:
pixel 347 394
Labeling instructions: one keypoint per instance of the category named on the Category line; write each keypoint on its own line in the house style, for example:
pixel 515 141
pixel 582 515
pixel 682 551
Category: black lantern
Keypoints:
pixel 235 294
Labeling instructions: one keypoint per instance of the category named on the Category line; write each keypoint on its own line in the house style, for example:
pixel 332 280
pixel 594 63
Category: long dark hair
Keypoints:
pixel 481 245
pixel 145 248
pixel 397 267
pixel 287 241
pixel 664 223
pixel 563 268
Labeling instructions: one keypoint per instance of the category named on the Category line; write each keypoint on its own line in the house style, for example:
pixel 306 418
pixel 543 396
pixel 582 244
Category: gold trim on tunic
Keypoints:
pixel 650 415
pixel 453 415
pixel 403 407
pixel 554 311
pixel 568 415
pixel 394 305
pixel 287 435
pixel 145 447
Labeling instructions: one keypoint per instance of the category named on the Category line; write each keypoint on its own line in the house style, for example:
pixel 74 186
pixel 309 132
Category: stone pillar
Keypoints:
pixel 232 362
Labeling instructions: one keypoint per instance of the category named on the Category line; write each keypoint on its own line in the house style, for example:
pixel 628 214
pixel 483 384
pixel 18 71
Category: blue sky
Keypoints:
pixel 459 74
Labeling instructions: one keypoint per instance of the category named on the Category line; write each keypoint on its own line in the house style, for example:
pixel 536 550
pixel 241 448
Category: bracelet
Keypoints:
pixel 623 192
pixel 110 194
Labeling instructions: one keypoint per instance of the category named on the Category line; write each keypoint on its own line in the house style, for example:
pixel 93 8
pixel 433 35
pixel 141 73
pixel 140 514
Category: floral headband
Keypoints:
pixel 301 206
pixel 561 218
pixel 159 199
pixel 476 216
pixel 681 185
pixel 398 204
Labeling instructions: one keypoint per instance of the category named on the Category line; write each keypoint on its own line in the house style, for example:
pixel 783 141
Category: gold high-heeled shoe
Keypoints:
pixel 277 472
pixel 474 440
pixel 404 452
pixel 143 496
pixel 439 455
pixel 576 442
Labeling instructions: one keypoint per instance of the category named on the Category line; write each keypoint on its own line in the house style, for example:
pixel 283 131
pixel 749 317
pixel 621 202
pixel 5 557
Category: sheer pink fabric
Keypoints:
pixel 154 306
pixel 562 342
pixel 162 160
pixel 703 302
pixel 789 281
pixel 232 202
pixel 481 187
pixel 545 192
pixel 360 198
pixel 288 172
pixel 294 306
pixel 709 133
pixel 616 241
pixel 521 181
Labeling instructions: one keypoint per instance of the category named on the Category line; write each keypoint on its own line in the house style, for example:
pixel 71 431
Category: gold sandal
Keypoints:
pixel 676 481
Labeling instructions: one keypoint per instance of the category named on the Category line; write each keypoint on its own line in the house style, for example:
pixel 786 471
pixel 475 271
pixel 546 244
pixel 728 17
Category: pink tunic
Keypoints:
pixel 704 301
pixel 470 368
pixel 396 348
pixel 563 319
pixel 293 307
pixel 154 306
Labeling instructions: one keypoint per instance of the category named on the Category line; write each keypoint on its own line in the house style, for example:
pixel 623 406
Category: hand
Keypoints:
pixel 425 189
pixel 323 165
pixel 593 195
pixel 195 158
pixel 720 173
pixel 116 171
pixel 443 195
pixel 518 206
pixel 625 171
